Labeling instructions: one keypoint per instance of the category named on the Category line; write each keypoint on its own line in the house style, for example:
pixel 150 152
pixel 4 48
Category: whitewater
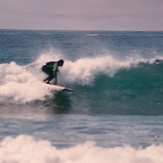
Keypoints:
pixel 113 115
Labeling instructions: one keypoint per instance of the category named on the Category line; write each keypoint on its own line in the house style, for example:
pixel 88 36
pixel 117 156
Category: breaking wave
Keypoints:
pixel 26 149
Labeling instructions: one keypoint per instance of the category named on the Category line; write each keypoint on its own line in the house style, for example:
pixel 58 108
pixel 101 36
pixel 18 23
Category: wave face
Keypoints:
pixel 136 91
pixel 111 72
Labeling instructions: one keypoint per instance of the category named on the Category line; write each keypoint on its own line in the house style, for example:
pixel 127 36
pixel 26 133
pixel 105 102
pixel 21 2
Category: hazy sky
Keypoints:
pixel 82 14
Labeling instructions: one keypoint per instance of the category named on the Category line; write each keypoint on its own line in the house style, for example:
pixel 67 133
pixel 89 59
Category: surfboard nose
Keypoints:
pixel 68 89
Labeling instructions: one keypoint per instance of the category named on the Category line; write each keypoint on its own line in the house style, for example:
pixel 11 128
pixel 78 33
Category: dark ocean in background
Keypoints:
pixel 115 113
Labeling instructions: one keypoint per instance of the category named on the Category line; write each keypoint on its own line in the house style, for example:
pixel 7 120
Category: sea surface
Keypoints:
pixel 114 115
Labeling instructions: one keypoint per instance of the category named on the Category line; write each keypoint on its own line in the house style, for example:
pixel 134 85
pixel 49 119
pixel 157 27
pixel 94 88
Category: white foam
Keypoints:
pixel 26 149
pixel 20 84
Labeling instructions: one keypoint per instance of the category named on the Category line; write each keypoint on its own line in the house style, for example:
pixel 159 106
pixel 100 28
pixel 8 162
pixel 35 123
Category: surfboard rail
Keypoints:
pixel 58 87
pixel 68 89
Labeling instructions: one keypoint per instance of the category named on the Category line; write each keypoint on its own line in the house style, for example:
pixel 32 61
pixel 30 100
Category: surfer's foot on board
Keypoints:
pixel 45 81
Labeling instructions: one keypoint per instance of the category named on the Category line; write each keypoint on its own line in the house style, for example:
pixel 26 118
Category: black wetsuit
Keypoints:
pixel 50 68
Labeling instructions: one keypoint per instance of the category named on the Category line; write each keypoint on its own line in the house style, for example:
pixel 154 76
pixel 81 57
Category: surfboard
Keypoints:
pixel 58 87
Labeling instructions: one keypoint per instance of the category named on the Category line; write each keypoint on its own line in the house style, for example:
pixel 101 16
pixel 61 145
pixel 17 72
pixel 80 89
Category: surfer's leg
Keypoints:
pixel 50 77
pixel 46 79
pixel 49 72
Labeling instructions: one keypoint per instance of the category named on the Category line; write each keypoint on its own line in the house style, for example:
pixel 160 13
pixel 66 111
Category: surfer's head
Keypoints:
pixel 60 62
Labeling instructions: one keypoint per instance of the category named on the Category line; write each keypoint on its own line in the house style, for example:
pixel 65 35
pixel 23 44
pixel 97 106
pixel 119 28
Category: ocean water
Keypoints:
pixel 115 113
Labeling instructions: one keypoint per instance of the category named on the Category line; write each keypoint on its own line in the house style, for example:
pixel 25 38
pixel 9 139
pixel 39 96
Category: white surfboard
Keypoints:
pixel 58 88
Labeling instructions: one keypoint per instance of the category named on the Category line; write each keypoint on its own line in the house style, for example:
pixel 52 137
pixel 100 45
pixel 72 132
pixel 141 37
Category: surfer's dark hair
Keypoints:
pixel 61 61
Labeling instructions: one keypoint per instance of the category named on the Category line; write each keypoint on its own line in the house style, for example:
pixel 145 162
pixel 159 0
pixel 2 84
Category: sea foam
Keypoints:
pixel 26 149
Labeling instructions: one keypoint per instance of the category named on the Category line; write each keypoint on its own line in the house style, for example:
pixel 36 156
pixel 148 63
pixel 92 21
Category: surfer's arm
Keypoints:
pixel 55 70
pixel 55 77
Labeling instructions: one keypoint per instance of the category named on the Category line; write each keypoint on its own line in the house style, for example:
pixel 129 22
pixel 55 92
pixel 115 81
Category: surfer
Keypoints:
pixel 51 68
